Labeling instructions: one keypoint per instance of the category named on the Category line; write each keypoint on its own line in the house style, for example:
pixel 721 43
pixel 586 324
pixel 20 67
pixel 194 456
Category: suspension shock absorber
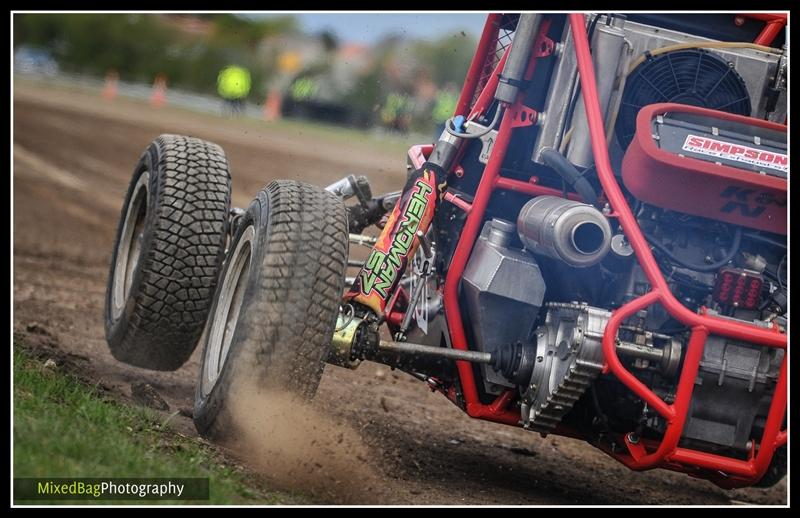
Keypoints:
pixel 398 242
pixel 375 284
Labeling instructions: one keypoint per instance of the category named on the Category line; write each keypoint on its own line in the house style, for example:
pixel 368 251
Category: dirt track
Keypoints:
pixel 73 154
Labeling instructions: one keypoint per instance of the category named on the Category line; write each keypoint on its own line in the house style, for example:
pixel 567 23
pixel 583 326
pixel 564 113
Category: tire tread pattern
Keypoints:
pixel 180 266
pixel 292 317
pixel 288 313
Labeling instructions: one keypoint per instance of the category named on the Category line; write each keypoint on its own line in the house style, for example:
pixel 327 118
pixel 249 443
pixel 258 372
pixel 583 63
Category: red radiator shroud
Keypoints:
pixel 702 187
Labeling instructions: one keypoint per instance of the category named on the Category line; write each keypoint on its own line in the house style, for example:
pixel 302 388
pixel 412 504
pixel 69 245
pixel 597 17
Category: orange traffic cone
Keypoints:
pixel 272 106
pixel 159 96
pixel 110 88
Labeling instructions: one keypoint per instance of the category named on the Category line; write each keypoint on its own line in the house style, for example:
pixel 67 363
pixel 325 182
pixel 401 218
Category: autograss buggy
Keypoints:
pixel 595 247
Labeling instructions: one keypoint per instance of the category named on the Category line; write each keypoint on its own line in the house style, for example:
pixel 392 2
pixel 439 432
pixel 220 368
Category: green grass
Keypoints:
pixel 65 428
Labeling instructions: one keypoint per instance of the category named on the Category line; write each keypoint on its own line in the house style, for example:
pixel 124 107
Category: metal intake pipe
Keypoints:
pixel 607 46
pixel 574 232
pixel 518 58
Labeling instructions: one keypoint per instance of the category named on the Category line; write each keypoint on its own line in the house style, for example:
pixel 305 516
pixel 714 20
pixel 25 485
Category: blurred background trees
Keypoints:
pixel 395 82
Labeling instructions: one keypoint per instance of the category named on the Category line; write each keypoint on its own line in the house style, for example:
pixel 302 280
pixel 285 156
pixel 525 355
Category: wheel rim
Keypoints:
pixel 130 245
pixel 226 314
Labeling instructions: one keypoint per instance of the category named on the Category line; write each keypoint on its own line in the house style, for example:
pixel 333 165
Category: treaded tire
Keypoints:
pixel 277 312
pixel 165 262
pixel 777 469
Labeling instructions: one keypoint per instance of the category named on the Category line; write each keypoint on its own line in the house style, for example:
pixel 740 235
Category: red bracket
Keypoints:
pixel 635 448
pixel 524 116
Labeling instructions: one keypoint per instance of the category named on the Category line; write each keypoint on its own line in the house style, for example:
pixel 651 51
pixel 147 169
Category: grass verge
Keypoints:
pixel 66 428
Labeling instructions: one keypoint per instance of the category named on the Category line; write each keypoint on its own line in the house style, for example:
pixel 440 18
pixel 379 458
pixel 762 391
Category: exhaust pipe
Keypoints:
pixel 574 232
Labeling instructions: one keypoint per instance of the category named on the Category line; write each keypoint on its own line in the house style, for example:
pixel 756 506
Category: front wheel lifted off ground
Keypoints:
pixel 275 309
pixel 169 247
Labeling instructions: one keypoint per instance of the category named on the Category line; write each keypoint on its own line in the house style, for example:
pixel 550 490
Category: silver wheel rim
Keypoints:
pixel 130 245
pixel 226 315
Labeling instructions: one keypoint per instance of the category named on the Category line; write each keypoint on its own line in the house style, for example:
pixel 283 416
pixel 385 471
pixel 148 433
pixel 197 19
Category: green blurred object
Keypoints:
pixel 445 106
pixel 233 83
pixel 395 105
pixel 303 88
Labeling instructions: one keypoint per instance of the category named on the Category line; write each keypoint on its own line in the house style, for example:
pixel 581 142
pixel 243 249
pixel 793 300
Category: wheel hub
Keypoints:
pixel 130 244
pixel 226 315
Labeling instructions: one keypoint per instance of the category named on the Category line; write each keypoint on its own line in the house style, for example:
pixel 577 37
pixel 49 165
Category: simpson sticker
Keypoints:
pixel 736 152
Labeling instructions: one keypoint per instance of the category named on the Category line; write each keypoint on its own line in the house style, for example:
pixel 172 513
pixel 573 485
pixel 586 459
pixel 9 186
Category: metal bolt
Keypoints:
pixel 633 438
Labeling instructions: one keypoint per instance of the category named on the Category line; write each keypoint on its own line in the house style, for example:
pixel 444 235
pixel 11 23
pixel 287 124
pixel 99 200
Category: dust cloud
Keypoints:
pixel 298 447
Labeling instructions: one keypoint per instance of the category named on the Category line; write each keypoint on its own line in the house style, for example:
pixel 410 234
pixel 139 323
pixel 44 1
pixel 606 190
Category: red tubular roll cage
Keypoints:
pixel 774 25
pixel 725 471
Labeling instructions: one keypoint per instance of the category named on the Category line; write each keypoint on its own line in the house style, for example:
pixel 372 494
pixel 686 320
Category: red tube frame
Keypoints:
pixel 498 410
pixel 744 472
pixel 488 39
pixel 666 454
pixel 774 25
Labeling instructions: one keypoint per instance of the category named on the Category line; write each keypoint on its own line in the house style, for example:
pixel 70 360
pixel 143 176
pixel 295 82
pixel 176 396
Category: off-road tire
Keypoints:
pixel 166 260
pixel 777 469
pixel 280 308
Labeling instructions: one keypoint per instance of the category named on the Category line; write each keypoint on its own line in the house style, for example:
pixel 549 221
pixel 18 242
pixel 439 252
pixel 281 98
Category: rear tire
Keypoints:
pixel 169 246
pixel 777 469
pixel 275 310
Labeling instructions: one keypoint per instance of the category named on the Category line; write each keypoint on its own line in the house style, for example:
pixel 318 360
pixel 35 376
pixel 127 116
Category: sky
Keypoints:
pixel 368 28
